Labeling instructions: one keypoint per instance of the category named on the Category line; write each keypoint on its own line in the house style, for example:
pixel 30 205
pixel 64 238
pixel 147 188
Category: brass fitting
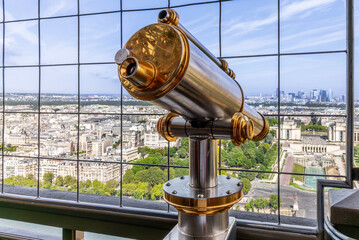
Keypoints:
pixel 224 64
pixel 264 131
pixel 231 73
pixel 168 16
pixel 242 129
pixel 203 203
pixel 140 73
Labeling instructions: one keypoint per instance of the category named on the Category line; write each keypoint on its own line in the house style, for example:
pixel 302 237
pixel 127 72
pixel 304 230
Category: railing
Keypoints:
pixel 99 211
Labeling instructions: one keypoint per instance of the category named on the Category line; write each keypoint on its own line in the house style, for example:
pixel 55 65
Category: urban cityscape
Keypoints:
pixel 309 144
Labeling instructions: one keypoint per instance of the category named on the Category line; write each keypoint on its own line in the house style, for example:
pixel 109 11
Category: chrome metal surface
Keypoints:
pixel 200 46
pixel 206 92
pixel 333 233
pixel 184 190
pixel 217 129
pixel 229 234
pixel 203 160
pixel 121 55
pixel 200 226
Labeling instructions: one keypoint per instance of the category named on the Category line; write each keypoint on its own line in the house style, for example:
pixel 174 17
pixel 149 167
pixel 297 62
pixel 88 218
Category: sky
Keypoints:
pixel 248 27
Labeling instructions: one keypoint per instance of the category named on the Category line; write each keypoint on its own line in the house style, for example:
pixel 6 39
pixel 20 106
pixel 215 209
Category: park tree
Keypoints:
pixel 129 176
pixel 249 175
pixel 88 183
pixel 246 185
pixel 158 191
pixel 259 155
pixel 144 188
pixel 248 163
pixel 261 203
pixel 251 205
pixel 155 175
pixel 69 180
pixel 48 178
pixel 181 172
pixel 182 153
pixel 247 207
pixel 173 151
pixel 128 189
pixel 138 194
pixel 273 201
pixel 112 183
pixel 59 181
pixel 272 121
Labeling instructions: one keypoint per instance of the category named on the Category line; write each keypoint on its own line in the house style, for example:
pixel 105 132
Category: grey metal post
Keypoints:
pixel 350 88
pixel 203 162
pixel 321 184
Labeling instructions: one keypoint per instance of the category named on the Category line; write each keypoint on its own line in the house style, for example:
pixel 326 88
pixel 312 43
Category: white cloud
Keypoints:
pixel 22 30
pixel 299 7
pixel 317 41
pixel 306 7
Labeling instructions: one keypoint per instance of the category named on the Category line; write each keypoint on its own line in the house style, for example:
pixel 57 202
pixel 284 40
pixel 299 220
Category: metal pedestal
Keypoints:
pixel 229 234
pixel 203 198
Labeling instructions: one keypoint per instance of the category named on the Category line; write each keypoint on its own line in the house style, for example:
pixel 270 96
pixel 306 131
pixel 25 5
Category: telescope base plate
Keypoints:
pixel 230 234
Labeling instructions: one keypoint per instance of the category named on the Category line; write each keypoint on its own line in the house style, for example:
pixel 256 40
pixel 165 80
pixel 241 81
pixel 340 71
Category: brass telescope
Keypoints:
pixel 164 64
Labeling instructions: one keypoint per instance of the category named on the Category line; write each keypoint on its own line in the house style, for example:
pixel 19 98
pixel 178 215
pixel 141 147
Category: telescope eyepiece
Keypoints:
pixel 131 68
pixel 140 73
pixel 128 67
pixel 163 15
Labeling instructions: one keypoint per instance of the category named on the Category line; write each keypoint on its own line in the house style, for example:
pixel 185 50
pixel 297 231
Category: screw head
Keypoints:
pixel 174 192
pixel 182 177
pixel 228 177
pixel 229 192
pixel 200 196
pixel 121 55
pixel 168 184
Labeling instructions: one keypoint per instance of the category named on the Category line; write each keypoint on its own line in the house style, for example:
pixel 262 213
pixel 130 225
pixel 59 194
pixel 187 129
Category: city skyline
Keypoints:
pixel 126 94
pixel 305 26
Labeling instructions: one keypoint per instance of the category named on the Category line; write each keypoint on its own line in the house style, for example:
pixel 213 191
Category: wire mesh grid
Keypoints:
pixel 39 113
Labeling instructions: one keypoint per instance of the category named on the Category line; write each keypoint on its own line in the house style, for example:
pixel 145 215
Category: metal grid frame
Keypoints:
pixel 278 54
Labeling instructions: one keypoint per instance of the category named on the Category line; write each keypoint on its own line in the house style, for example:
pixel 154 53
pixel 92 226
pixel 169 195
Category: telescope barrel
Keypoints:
pixel 161 64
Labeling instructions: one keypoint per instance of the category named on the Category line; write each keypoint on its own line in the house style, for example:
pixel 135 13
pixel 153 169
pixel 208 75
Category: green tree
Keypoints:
pixel 138 194
pixel 153 176
pixel 246 185
pixel 59 181
pixel 273 201
pixel 182 153
pixel 69 180
pixel 261 203
pixel 48 178
pixel 144 188
pixel 272 121
pixel 129 176
pixel 128 189
pixel 158 191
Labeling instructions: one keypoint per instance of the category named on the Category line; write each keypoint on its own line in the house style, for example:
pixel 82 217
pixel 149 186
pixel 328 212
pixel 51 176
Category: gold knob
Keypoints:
pixel 242 129
pixel 162 127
